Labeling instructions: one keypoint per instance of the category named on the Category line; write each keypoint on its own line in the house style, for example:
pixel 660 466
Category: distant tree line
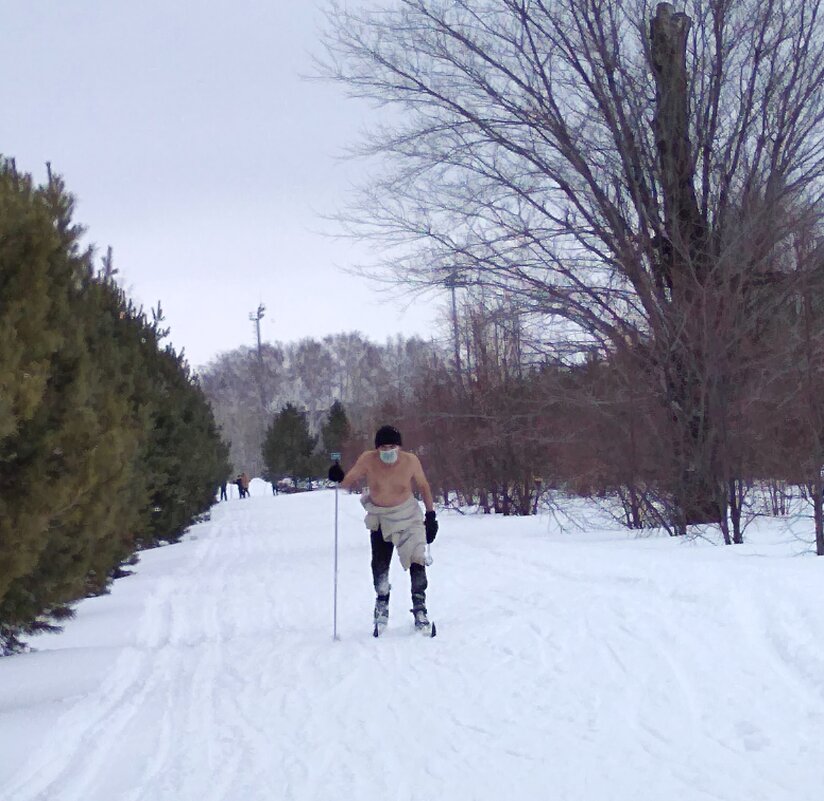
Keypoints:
pixel 511 422
pixel 504 420
pixel 310 375
pixel 107 442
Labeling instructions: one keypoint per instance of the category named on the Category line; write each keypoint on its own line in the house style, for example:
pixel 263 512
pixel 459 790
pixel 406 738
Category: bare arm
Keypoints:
pixel 356 473
pixel 423 484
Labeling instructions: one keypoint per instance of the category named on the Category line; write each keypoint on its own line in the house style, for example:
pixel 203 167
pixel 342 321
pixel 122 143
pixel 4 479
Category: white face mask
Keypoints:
pixel 389 457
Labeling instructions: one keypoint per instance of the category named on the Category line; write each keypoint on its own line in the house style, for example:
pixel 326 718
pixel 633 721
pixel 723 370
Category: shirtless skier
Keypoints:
pixel 393 517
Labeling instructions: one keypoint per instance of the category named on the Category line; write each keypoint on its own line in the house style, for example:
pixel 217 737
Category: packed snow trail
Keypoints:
pixel 579 665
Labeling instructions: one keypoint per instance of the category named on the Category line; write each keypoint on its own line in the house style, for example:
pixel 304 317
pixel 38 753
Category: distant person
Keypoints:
pixel 394 518
pixel 223 495
pixel 240 488
pixel 244 479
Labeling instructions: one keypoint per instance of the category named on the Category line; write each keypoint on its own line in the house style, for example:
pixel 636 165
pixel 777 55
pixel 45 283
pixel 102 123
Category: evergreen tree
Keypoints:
pixel 336 430
pixel 106 441
pixel 288 445
pixel 41 367
pixel 93 470
pixel 184 457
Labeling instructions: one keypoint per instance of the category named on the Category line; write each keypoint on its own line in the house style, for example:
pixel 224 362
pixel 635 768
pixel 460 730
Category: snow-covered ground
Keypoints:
pixel 570 664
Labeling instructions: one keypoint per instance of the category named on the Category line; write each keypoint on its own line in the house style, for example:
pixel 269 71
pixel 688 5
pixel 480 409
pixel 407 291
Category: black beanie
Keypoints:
pixel 387 435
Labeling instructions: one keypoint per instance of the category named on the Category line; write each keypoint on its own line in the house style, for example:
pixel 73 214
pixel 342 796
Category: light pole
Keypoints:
pixel 256 317
pixel 453 281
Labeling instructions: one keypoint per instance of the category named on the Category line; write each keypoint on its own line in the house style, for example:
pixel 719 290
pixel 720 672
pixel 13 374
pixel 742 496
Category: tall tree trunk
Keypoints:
pixel 683 266
pixel 817 487
pixel 736 499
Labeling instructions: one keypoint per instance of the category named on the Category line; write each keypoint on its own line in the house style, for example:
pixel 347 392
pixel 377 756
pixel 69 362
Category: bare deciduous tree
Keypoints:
pixel 620 167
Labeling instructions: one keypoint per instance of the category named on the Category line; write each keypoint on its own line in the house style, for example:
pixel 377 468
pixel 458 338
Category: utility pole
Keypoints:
pixel 256 317
pixel 453 281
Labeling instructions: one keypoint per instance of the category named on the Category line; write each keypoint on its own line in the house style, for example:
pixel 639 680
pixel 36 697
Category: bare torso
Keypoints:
pixel 390 484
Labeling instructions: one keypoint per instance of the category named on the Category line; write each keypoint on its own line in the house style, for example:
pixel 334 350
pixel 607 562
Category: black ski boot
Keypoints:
pixel 381 614
pixel 422 624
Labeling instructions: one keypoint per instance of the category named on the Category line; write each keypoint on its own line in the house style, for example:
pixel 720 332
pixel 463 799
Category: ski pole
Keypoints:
pixel 335 601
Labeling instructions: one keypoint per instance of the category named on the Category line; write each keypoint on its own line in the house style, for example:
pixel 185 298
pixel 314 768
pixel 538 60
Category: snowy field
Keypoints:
pixel 571 664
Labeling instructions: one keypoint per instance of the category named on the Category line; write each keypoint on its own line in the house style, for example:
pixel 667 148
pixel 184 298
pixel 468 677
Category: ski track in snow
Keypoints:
pixel 566 667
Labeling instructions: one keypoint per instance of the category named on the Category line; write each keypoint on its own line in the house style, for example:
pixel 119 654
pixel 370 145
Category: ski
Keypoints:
pixel 428 631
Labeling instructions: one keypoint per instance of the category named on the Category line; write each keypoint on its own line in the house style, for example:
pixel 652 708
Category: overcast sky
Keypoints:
pixel 198 153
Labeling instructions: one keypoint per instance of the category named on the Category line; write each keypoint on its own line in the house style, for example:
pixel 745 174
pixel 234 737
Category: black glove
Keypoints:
pixel 431 526
pixel 336 473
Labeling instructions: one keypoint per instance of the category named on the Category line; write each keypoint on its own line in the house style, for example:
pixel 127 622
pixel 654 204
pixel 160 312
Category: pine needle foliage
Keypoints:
pixel 107 444
pixel 288 445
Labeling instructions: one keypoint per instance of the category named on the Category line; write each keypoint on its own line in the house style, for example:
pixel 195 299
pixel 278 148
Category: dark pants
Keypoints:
pixel 381 557
pixel 223 492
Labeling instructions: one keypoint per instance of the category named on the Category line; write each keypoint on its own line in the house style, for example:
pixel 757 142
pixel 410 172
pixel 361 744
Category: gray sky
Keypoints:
pixel 195 149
